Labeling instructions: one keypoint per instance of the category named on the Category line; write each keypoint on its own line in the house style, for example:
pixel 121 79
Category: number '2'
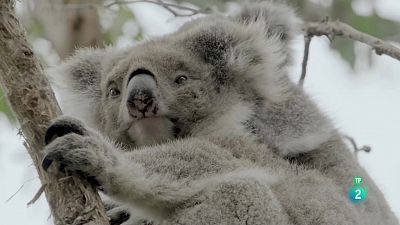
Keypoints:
pixel 358 197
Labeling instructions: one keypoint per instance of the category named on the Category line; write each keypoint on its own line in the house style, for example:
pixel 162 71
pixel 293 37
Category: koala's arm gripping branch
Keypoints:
pixel 34 104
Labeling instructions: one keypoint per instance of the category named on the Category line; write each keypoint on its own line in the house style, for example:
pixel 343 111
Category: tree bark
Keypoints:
pixel 71 199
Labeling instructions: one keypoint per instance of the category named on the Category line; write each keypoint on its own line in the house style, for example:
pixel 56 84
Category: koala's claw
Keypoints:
pixel 46 163
pixel 61 127
pixel 118 215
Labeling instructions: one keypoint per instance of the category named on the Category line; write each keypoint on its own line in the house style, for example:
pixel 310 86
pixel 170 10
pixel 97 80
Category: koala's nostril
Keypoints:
pixel 140 103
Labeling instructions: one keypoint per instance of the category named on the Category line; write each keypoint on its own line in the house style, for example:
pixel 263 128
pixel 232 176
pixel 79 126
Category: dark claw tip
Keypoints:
pixel 46 163
pixel 61 129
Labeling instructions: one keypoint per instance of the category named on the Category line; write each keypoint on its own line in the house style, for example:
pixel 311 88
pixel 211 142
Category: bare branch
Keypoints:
pixel 338 28
pixel 168 6
pixel 37 195
pixel 307 42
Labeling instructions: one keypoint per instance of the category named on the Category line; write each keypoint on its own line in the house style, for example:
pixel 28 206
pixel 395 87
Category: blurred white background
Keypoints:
pixel 364 103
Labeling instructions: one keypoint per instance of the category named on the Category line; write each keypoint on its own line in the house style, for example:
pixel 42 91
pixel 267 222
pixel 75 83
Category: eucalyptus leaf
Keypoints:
pixel 346 50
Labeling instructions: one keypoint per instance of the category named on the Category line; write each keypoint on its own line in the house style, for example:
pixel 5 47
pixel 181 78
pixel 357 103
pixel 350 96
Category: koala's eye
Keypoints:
pixel 181 79
pixel 114 92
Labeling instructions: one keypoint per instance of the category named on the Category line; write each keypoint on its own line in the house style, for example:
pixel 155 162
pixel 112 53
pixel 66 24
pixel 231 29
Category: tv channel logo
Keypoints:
pixel 358 193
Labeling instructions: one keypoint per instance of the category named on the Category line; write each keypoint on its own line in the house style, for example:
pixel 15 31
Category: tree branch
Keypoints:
pixel 31 98
pixel 307 42
pixel 69 27
pixel 338 28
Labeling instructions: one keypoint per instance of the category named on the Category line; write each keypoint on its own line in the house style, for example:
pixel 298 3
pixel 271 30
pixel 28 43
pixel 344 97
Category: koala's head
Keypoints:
pixel 207 76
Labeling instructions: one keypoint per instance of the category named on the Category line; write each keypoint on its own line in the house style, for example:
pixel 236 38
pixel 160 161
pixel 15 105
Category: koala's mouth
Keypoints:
pixel 151 130
pixel 148 118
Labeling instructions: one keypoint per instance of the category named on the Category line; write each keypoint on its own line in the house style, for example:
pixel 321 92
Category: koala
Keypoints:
pixel 203 126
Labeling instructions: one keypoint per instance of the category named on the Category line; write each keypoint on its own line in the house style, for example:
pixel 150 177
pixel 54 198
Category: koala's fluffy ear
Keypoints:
pixel 76 83
pixel 251 47
pixel 277 21
pixel 265 54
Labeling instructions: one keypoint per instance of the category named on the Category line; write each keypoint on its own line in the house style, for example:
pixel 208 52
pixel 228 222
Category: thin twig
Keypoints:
pixel 337 28
pixel 37 195
pixel 168 6
pixel 307 42
pixel 19 189
pixel 364 148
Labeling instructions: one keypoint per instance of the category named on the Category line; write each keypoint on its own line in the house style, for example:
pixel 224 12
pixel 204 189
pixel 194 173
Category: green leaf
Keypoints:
pixel 346 50
pixel 375 26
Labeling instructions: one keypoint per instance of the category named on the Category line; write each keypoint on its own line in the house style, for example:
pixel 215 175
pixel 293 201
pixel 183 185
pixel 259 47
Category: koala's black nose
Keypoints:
pixel 142 91
pixel 141 100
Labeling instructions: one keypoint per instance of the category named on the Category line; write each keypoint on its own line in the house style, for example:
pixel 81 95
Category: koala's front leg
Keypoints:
pixel 86 152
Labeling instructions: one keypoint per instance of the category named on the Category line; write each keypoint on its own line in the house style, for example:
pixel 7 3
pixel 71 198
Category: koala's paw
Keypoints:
pixel 75 148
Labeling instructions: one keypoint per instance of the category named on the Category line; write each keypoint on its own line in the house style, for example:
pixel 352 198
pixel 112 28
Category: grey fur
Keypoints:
pixel 218 151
